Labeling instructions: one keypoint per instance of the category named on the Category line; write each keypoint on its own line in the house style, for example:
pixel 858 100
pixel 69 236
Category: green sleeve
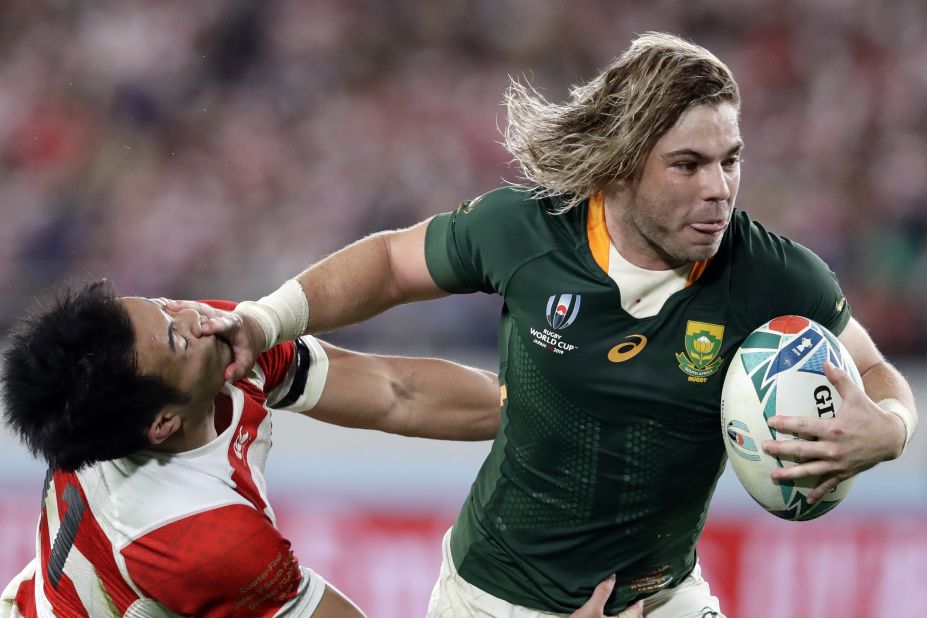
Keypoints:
pixel 441 255
pixel 479 245
pixel 816 288
pixel 789 279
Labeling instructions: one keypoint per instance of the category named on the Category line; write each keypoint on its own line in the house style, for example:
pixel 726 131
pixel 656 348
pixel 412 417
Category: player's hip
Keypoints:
pixel 454 596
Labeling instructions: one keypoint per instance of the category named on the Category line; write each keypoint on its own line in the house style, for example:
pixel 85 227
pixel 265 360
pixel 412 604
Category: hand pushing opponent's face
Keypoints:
pixel 678 209
pixel 173 347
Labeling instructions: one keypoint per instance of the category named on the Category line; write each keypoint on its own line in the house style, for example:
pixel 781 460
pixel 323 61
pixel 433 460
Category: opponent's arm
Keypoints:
pixel 868 430
pixel 421 397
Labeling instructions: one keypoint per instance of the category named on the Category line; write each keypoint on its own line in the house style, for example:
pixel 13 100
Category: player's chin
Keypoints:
pixel 703 251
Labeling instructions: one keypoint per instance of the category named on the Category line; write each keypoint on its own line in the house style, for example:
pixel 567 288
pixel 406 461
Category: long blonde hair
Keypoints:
pixel 608 127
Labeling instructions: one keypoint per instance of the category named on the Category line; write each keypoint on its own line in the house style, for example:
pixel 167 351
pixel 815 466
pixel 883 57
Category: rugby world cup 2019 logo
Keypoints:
pixel 562 310
pixel 703 343
pixel 744 445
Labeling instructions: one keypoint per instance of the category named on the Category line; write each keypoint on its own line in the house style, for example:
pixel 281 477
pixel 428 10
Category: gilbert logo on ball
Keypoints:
pixel 779 370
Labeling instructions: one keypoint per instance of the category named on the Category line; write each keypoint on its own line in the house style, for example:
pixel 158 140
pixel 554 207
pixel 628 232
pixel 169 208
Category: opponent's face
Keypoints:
pixel 678 209
pixel 173 348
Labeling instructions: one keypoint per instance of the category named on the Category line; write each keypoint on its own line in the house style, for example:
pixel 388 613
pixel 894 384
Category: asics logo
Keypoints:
pixel 626 350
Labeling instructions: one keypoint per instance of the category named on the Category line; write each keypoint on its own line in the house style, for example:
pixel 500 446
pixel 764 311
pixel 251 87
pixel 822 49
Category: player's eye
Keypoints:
pixel 687 166
pixel 732 162
pixel 186 340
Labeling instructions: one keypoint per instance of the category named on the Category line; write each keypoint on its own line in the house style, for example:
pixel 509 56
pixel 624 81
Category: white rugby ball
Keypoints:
pixel 779 370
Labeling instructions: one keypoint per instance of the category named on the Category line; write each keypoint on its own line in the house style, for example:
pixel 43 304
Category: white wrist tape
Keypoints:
pixel 907 417
pixel 282 315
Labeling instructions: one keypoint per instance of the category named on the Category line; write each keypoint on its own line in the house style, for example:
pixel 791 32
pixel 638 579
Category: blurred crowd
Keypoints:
pixel 212 148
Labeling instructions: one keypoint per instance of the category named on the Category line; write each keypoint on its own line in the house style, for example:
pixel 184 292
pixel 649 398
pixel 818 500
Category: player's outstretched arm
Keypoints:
pixel 368 277
pixel 865 432
pixel 595 606
pixel 422 397
pixel 358 282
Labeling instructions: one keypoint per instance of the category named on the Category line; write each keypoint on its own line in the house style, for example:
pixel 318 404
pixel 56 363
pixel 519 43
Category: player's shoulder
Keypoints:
pixel 177 563
pixel 772 275
pixel 136 494
pixel 761 251
pixel 517 209
pixel 511 201
pixel 507 196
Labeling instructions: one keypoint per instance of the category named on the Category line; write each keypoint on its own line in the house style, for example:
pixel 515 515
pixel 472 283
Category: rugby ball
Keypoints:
pixel 779 370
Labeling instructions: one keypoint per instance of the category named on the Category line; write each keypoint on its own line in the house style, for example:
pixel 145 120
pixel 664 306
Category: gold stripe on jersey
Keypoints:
pixel 600 240
pixel 697 270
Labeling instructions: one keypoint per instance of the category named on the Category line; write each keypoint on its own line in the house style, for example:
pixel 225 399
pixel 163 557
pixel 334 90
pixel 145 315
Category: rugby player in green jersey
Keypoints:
pixel 622 257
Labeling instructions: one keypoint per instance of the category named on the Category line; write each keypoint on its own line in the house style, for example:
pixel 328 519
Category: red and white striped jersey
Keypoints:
pixel 189 534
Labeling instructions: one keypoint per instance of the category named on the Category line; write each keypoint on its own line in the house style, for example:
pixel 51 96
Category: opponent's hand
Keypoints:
pixel 595 606
pixel 859 437
pixel 243 334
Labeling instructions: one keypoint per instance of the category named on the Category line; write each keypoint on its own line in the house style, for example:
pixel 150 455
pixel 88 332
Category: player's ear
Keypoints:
pixel 164 425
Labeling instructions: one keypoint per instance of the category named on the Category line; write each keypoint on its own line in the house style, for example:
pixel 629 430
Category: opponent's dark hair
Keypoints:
pixel 71 386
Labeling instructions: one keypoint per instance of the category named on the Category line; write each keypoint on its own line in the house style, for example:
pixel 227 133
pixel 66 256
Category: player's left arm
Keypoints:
pixel 868 430
pixel 420 397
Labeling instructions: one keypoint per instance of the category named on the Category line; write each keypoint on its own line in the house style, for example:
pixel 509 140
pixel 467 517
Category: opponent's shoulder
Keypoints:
pixel 177 563
pixel 136 494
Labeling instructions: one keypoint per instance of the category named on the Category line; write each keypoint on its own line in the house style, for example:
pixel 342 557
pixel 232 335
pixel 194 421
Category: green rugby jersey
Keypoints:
pixel 610 443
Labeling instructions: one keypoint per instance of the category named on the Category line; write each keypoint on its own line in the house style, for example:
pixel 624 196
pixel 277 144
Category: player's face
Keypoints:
pixel 173 348
pixel 679 208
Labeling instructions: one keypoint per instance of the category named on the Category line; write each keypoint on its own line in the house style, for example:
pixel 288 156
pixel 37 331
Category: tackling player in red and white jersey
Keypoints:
pixel 155 502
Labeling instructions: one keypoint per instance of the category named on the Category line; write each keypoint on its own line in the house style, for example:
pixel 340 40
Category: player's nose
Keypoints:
pixel 715 184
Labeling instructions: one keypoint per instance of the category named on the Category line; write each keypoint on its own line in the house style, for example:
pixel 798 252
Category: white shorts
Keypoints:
pixel 453 597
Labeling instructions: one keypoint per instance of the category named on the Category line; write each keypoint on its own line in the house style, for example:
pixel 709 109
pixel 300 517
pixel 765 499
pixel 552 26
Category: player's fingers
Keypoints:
pixel 839 378
pixel 601 593
pixel 205 311
pixel 797 424
pixel 634 611
pixel 800 471
pixel 179 305
pixel 800 450
pixel 239 366
pixel 595 606
pixel 226 325
pixel 823 489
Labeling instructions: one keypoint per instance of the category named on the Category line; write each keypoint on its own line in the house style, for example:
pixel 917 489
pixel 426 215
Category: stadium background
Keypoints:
pixel 211 149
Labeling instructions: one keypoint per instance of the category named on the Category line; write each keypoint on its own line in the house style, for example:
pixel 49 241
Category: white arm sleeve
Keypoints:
pixel 305 380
